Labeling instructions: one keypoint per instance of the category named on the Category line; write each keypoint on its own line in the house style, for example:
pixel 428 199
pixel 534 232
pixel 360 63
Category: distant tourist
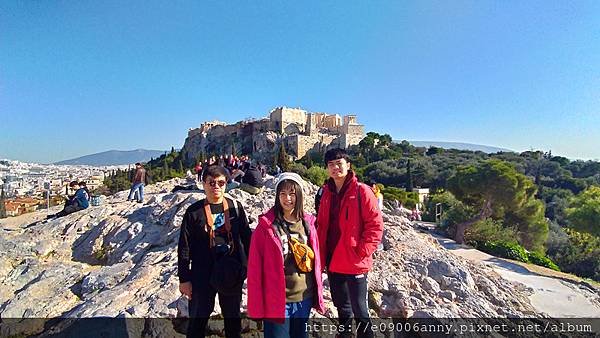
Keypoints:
pixel 350 228
pixel 252 181
pixel 377 193
pixel 198 171
pixel 137 184
pixel 284 268
pixel 214 240
pixel 76 202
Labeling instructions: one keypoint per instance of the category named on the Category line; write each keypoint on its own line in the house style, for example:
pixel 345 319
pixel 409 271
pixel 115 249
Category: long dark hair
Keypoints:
pixel 298 211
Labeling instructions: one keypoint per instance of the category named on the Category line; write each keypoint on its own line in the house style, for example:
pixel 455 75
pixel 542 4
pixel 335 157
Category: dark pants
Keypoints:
pixel 68 209
pixel 349 295
pixel 202 304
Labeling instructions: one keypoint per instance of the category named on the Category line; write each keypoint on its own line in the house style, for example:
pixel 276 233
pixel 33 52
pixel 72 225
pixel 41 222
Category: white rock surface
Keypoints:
pixel 120 260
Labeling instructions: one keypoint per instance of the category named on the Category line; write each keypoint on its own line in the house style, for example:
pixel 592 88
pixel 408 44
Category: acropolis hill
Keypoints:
pixel 298 130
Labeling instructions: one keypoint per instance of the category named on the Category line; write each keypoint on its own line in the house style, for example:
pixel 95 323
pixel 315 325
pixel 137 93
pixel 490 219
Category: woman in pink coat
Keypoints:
pixel 279 292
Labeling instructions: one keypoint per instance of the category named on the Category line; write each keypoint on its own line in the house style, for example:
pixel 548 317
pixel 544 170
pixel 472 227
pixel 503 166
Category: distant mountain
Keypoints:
pixel 458 145
pixel 115 157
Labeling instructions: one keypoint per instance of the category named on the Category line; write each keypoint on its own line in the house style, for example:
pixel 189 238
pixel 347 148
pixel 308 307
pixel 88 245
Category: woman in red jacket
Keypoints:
pixel 279 290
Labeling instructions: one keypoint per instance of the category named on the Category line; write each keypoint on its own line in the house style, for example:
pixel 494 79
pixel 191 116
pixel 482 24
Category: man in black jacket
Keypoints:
pixel 252 181
pixel 214 239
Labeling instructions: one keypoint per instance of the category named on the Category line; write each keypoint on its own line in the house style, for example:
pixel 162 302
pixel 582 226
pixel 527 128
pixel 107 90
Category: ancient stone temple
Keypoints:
pixel 298 130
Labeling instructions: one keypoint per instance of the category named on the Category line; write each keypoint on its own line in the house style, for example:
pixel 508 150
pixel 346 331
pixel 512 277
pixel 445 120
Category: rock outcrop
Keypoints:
pixel 120 260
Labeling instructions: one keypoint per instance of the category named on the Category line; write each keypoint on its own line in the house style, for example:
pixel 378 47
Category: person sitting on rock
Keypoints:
pixel 79 201
pixel 214 239
pixel 281 289
pixel 252 181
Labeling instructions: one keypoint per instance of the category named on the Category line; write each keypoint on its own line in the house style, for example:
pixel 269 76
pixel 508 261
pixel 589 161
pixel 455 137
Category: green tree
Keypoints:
pixel 180 168
pixel 308 162
pixel 165 168
pixel 494 187
pixel 233 150
pixel 584 211
pixel 409 180
pixel 316 175
pixel 2 205
pixel 282 158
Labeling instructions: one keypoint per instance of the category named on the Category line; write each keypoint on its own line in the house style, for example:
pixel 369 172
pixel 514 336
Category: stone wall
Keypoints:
pixel 299 145
pixel 282 117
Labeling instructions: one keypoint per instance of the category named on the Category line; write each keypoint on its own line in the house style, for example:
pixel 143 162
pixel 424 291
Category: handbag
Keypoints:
pixel 304 256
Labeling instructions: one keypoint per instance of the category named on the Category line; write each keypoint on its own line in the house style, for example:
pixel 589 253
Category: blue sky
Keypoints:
pixel 79 77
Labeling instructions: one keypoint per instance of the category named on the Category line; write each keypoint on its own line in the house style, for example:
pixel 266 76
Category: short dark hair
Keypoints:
pixel 138 163
pixel 82 183
pixel 214 171
pixel 336 154
pixel 298 207
pixel 73 183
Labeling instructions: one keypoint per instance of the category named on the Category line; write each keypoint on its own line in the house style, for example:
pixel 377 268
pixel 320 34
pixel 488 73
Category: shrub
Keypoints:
pixel 503 249
pixel 453 211
pixel 575 252
pixel 408 199
pixel 489 230
pixel 298 168
pixel 316 175
pixel 541 260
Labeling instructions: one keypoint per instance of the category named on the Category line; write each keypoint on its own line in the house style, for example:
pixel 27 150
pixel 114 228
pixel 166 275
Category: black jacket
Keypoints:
pixel 194 249
pixel 253 177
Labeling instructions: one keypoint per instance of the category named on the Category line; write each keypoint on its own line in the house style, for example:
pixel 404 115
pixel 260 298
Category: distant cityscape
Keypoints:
pixel 24 184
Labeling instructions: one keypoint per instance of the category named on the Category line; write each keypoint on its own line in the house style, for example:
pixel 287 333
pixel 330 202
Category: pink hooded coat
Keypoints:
pixel 266 280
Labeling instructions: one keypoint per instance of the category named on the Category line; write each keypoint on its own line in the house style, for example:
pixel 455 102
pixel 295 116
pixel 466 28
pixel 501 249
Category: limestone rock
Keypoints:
pixel 119 259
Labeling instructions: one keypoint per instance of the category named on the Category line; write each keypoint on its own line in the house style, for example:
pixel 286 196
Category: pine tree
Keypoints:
pixel 180 167
pixel 233 150
pixel 309 161
pixel 2 206
pixel 282 158
pixel 172 150
pixel 165 169
pixel 409 179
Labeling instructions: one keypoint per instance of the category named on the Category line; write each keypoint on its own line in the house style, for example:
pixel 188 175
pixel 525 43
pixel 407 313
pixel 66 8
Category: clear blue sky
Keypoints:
pixel 79 77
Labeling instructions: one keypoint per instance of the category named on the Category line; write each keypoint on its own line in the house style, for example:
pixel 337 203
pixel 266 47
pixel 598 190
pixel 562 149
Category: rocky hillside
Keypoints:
pixel 119 260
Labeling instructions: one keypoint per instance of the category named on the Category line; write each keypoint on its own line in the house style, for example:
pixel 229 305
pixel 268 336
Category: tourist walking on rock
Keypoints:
pixel 284 269
pixel 212 255
pixel 137 184
pixel 350 228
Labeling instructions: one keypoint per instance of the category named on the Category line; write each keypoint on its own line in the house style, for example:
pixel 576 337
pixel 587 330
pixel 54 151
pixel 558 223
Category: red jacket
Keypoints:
pixel 360 234
pixel 266 280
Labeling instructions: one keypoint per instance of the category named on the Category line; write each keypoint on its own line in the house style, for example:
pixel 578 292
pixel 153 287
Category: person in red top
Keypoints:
pixel 198 170
pixel 350 227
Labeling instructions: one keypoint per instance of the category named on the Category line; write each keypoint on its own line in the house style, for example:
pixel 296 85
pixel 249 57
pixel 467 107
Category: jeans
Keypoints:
pixel 296 317
pixel 349 295
pixel 139 187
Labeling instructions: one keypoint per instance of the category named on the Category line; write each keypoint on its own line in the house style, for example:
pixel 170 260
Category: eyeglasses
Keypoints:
pixel 220 183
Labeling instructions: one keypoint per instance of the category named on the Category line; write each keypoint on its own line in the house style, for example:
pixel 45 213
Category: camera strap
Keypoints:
pixel 210 222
